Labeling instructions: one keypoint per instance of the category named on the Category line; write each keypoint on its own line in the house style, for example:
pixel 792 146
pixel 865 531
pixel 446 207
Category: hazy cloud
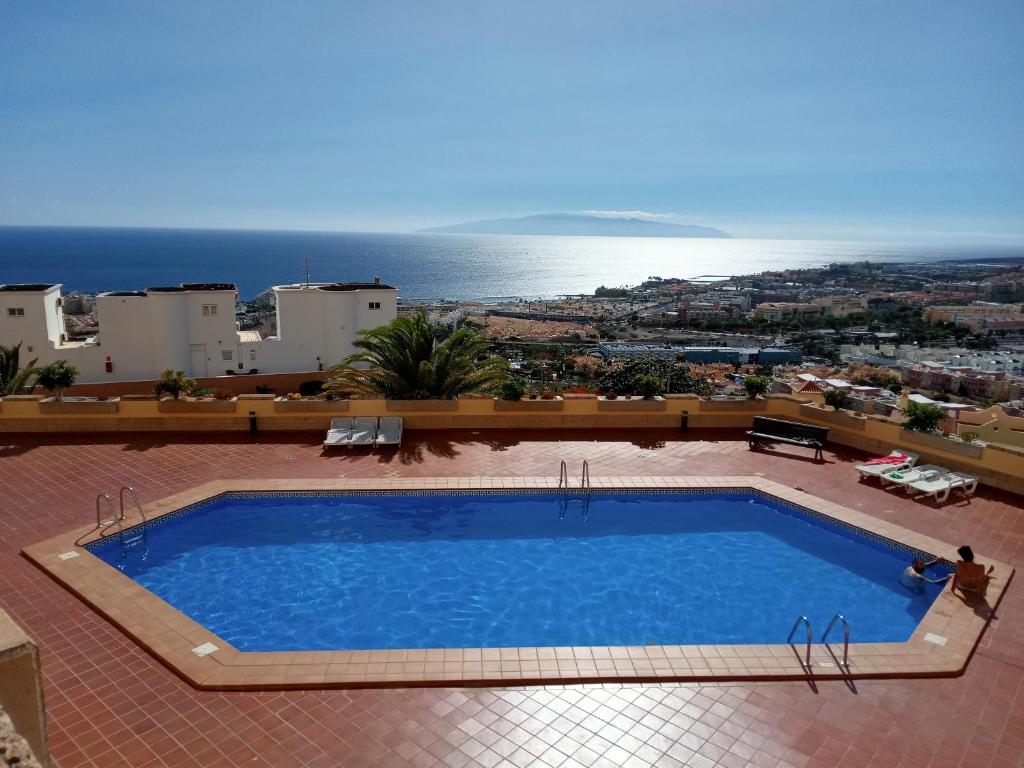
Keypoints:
pixel 631 215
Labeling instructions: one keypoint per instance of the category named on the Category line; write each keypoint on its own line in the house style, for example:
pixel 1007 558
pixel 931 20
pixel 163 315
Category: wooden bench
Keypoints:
pixel 768 431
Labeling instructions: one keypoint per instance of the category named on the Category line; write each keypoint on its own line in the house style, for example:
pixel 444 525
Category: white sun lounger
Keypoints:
pixel 939 488
pixel 907 476
pixel 339 433
pixel 363 431
pixel 877 470
pixel 390 431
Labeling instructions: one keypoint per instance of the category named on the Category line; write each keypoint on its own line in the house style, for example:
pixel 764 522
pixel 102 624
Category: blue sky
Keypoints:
pixel 778 119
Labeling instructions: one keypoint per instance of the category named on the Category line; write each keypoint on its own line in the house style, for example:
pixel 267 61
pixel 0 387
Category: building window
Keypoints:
pixel 374 305
pixel 209 310
pixel 15 311
pixel 227 355
pixel 252 354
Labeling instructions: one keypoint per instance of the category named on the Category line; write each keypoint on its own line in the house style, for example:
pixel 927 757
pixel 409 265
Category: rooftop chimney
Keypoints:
pixel 376 280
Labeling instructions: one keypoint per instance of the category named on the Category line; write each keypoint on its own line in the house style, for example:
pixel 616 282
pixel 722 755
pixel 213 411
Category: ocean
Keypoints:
pixel 421 266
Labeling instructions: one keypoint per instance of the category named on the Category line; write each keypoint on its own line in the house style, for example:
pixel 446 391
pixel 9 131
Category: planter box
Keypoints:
pixel 638 404
pixel 840 418
pixel 742 404
pixel 557 404
pixel 422 405
pixel 196 406
pixel 940 443
pixel 78 405
pixel 284 405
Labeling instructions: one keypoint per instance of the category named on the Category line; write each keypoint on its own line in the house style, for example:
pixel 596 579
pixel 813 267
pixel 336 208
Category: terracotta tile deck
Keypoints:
pixel 111 704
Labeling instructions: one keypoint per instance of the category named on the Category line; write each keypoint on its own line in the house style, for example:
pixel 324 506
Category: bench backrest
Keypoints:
pixel 781 428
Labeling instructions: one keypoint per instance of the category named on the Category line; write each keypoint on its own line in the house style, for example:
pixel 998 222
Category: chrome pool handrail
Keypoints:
pixel 585 477
pixel 806 664
pixel 110 506
pixel 563 475
pixel 845 663
pixel 135 498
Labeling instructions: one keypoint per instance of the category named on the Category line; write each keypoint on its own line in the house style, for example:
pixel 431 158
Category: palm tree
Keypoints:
pixel 14 380
pixel 406 360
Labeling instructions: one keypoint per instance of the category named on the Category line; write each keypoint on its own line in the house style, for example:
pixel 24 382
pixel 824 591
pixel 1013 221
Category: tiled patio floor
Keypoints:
pixel 110 704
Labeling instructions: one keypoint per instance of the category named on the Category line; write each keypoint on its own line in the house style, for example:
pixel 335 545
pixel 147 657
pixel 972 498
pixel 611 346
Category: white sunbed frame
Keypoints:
pixel 364 431
pixel 939 488
pixel 339 433
pixel 389 432
pixel 925 471
pixel 877 470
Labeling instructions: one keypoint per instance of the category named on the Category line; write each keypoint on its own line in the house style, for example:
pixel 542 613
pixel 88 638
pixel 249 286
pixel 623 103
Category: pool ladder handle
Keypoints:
pixel 563 475
pixel 845 663
pixel 138 507
pixel 100 522
pixel 806 664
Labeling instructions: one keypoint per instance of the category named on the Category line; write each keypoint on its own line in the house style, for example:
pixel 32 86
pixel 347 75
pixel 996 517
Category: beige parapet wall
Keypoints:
pixel 21 694
pixel 999 465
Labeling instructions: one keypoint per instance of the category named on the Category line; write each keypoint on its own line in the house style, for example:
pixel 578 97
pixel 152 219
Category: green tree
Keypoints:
pixel 922 417
pixel 756 385
pixel 648 385
pixel 406 360
pixel 513 388
pixel 14 379
pixel 836 398
pixel 57 376
pixel 174 383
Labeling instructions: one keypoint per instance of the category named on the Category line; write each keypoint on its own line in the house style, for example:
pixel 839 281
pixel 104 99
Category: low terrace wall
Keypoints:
pixel 998 465
pixel 22 717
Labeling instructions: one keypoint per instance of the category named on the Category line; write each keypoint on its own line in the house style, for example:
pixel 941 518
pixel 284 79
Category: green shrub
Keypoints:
pixel 648 385
pixel 836 398
pixel 756 385
pixel 512 388
pixel 174 383
pixel 922 417
pixel 57 376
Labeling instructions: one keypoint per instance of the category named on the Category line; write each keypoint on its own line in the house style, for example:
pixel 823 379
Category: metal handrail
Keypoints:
pixel 110 505
pixel 563 474
pixel 806 664
pixel 120 497
pixel 585 477
pixel 846 639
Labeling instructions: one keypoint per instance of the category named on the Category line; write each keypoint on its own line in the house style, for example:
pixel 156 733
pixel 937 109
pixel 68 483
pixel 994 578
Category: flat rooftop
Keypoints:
pixel 109 702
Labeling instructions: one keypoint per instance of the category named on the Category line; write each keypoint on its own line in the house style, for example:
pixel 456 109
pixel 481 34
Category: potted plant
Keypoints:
pixel 835 398
pixel 174 383
pixel 57 376
pixel 512 388
pixel 756 386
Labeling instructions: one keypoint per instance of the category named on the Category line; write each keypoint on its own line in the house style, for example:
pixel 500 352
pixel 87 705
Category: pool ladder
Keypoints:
pixel 134 537
pixel 584 488
pixel 563 476
pixel 806 663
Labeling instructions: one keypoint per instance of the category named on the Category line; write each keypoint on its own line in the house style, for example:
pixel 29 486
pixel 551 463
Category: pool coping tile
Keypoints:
pixel 170 636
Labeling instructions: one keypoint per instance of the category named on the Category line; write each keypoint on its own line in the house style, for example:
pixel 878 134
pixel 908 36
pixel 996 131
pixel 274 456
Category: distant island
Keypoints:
pixel 578 224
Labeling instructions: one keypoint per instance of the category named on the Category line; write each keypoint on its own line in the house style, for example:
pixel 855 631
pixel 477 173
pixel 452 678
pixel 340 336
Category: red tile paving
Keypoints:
pixel 110 704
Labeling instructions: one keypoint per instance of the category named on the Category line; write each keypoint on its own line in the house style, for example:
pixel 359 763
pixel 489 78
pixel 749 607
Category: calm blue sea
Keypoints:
pixel 449 571
pixel 427 266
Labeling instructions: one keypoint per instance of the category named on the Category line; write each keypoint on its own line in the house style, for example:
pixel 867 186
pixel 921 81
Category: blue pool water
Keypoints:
pixel 304 572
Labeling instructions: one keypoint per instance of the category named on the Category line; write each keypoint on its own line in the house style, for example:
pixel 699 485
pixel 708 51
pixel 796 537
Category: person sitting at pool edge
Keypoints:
pixel 913 577
pixel 970 578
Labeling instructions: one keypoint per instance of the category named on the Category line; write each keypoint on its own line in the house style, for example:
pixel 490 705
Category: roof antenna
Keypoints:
pixel 307 271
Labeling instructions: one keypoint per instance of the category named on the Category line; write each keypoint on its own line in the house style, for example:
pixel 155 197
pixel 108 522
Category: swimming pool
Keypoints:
pixel 376 570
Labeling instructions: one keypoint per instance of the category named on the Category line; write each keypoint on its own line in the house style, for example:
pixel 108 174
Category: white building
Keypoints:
pixel 192 328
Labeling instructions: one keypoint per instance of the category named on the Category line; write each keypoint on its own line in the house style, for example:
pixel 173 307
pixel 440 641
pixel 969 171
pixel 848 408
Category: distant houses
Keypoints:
pixel 191 327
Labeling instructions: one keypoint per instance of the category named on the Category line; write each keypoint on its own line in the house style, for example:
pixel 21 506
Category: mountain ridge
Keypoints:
pixel 577 224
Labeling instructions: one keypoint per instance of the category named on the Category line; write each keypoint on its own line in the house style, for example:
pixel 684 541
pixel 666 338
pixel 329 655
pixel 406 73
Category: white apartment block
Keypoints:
pixel 192 328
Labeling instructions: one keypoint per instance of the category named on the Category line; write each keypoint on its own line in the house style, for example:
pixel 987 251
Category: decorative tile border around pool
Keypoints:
pixel 941 645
